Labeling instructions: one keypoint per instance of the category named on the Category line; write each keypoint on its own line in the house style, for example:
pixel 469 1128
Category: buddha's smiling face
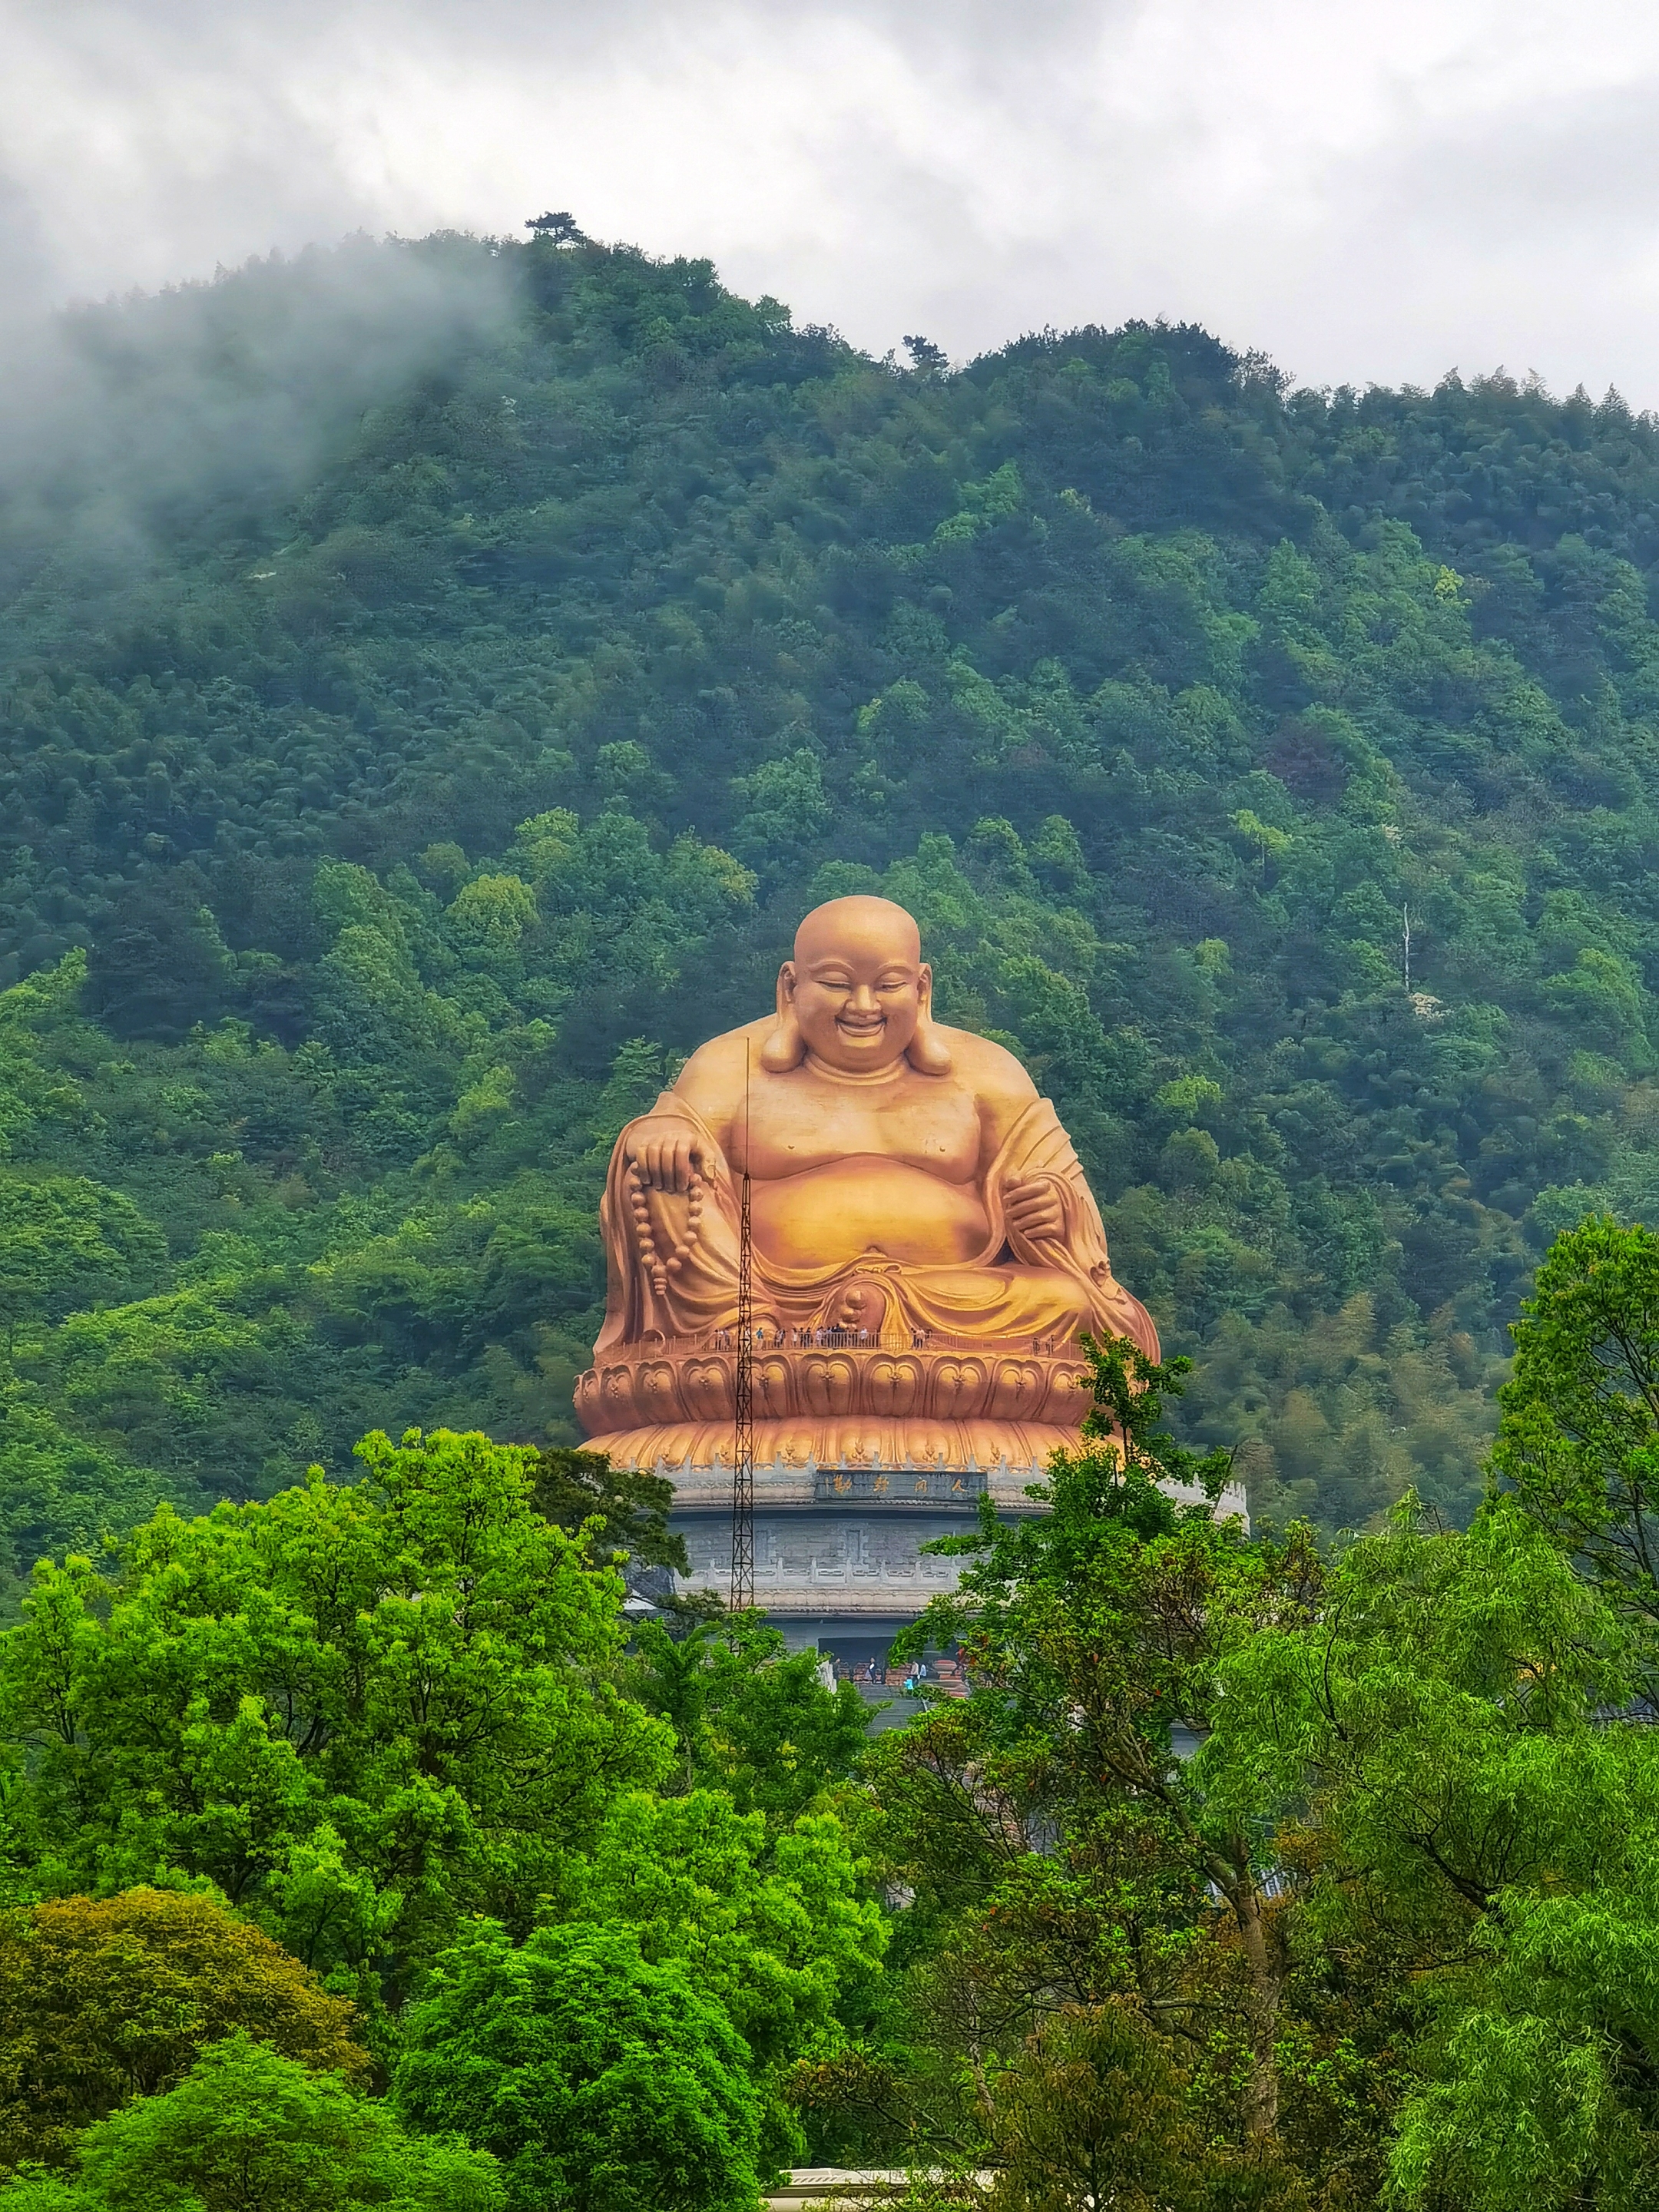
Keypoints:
pixel 857 983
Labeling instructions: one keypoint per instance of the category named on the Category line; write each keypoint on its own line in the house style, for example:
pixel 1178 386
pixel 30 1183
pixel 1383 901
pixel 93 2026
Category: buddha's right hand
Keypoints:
pixel 664 1153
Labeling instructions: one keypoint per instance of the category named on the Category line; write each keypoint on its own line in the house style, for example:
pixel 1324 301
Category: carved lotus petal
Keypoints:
pixel 771 1387
pixel 1068 1396
pixel 927 1444
pixel 827 1386
pixel 617 1396
pixel 892 1386
pixel 958 1388
pixel 659 1399
pixel 1017 1389
pixel 705 1385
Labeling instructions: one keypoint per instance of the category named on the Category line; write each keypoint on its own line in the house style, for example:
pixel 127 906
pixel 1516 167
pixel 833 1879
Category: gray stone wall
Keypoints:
pixel 827 1562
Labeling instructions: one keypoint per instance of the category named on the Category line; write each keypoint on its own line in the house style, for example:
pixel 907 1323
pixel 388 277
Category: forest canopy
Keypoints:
pixel 436 677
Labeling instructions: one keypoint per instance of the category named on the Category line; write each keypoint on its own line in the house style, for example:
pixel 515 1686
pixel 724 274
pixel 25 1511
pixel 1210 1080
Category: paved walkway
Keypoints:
pixel 850 2187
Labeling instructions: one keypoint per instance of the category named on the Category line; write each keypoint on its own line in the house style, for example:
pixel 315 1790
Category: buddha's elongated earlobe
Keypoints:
pixel 786 1048
pixel 927 1052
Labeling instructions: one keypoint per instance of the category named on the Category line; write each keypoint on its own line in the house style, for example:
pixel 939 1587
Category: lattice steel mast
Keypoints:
pixel 742 1439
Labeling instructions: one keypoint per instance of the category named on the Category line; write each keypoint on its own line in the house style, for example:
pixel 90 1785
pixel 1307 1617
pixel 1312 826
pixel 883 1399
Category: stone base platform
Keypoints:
pixel 839 1549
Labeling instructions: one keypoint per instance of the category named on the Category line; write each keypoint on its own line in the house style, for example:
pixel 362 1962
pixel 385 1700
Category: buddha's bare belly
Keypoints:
pixel 828 1216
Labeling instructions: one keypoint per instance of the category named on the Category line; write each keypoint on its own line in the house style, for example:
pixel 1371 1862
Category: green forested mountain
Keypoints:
pixel 435 679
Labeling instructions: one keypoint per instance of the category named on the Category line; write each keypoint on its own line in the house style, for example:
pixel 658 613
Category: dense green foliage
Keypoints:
pixel 1248 1875
pixel 362 1710
pixel 1578 1441
pixel 599 2081
pixel 434 679
pixel 748 1718
pixel 249 2130
pixel 103 1999
pixel 1249 1871
pixel 395 1725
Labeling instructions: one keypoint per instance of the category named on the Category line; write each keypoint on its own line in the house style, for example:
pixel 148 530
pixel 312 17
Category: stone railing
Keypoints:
pixel 770 1336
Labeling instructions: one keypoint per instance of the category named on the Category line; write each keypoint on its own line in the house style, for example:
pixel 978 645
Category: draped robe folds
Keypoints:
pixel 1014 1290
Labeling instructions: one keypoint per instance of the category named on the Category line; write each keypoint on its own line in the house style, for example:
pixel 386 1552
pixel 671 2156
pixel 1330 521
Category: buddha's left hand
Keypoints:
pixel 1034 1210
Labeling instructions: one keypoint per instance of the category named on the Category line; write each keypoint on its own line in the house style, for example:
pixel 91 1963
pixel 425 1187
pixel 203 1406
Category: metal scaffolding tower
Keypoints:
pixel 743 1455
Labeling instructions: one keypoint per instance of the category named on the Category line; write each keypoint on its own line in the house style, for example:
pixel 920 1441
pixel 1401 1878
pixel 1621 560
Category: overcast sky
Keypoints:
pixel 1369 192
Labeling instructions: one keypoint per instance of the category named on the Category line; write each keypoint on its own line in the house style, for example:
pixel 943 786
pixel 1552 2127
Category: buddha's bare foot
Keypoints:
pixel 863 1307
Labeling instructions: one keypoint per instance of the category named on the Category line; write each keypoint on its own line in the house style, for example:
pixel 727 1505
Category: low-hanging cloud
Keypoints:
pixel 1366 192
pixel 196 412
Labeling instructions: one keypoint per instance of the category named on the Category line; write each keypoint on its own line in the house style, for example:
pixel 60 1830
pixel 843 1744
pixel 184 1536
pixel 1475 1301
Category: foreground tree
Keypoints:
pixel 1054 1833
pixel 775 1929
pixel 1095 2115
pixel 601 2083
pixel 1578 1441
pixel 1481 1831
pixel 778 1931
pixel 1403 1853
pixel 573 1488
pixel 362 1711
pixel 749 1718
pixel 249 2130
pixel 109 1998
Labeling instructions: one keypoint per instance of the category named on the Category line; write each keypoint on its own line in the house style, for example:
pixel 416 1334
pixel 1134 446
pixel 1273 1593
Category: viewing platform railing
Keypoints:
pixel 770 1339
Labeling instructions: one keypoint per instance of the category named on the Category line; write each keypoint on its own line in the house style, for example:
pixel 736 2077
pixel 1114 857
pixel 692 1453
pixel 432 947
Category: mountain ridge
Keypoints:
pixel 388 799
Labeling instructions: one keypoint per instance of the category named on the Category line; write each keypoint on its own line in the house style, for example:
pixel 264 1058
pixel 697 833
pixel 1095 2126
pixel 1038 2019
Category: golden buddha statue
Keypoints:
pixel 924 1250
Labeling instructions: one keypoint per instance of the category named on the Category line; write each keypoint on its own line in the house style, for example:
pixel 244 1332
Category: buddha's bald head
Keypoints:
pixel 857 994
pixel 860 924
